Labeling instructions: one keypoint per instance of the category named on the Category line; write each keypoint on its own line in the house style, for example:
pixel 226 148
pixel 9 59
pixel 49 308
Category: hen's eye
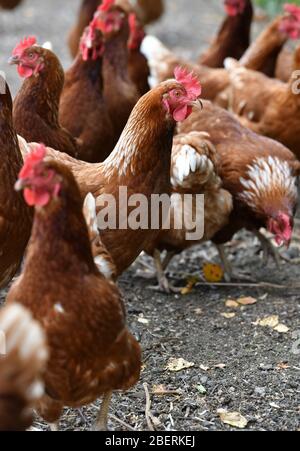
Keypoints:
pixel 31 55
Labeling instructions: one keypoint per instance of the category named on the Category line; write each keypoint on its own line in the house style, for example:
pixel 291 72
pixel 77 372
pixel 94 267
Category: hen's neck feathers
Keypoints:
pixel 265 48
pixel 236 25
pixel 145 142
pixel 60 239
pixel 225 44
pixel 115 58
pixel 90 70
pixel 269 186
pixel 41 94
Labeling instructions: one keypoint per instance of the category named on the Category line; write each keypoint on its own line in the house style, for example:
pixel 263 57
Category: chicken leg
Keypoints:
pixel 268 249
pixel 102 419
pixel 229 273
pixel 163 283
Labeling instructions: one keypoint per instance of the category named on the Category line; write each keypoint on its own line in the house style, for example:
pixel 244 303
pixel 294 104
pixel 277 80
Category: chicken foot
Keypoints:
pixel 151 274
pixel 229 273
pixel 268 249
pixel 102 419
pixel 163 284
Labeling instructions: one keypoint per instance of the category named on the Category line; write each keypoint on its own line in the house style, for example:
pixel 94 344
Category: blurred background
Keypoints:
pixel 187 27
pixel 273 6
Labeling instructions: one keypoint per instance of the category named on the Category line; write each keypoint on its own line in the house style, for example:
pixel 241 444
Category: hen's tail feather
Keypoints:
pixel 157 56
pixel 25 357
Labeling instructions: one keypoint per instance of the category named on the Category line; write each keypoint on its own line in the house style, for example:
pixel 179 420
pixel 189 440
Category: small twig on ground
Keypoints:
pixel 126 425
pixel 167 393
pixel 148 413
pixel 245 285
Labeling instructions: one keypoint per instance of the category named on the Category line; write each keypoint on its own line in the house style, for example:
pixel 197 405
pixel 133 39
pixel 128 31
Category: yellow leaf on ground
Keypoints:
pixel 213 273
pixel 228 315
pixel 234 419
pixel 191 282
pixel 269 321
pixel 247 301
pixel 282 329
pixel 232 304
pixel 180 364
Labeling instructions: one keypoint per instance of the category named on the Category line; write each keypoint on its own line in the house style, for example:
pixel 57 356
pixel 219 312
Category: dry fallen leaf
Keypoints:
pixel 231 304
pixel 282 329
pixel 180 364
pixel 247 301
pixel 269 321
pixel 221 366
pixel 204 368
pixel 283 366
pixel 143 320
pixel 191 282
pixel 234 419
pixel 213 273
pixel 228 315
pixel 198 311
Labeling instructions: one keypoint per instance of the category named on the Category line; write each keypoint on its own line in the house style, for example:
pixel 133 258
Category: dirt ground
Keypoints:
pixel 237 364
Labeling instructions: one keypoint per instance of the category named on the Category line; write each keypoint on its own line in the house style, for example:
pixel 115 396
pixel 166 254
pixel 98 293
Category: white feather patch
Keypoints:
pixel 265 174
pixel 156 54
pixel 103 266
pixel 188 161
pixel 89 211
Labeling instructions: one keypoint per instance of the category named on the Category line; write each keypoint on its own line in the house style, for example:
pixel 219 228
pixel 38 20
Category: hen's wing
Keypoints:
pixel 250 92
pixel 25 355
pixel 193 161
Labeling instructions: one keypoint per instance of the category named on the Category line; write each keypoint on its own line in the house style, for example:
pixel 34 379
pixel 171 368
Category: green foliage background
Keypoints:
pixel 274 6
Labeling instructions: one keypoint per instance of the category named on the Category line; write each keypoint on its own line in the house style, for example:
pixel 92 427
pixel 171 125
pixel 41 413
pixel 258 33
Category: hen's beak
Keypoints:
pixel 20 184
pixel 13 60
pixel 197 104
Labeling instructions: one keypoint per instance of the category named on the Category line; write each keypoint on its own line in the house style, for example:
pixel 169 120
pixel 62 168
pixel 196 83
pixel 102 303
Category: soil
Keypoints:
pixel 238 365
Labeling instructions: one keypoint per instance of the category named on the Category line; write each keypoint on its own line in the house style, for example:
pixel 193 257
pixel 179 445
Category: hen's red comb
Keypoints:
pixel 292 9
pixel 23 45
pixel 106 5
pixel 32 160
pixel 190 82
pixel 132 21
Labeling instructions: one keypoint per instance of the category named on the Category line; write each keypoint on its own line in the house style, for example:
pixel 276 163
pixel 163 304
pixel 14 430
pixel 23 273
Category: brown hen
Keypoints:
pixel 15 216
pixel 21 367
pixel 139 164
pixel 261 175
pixel 36 105
pixel 233 38
pixel 92 353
